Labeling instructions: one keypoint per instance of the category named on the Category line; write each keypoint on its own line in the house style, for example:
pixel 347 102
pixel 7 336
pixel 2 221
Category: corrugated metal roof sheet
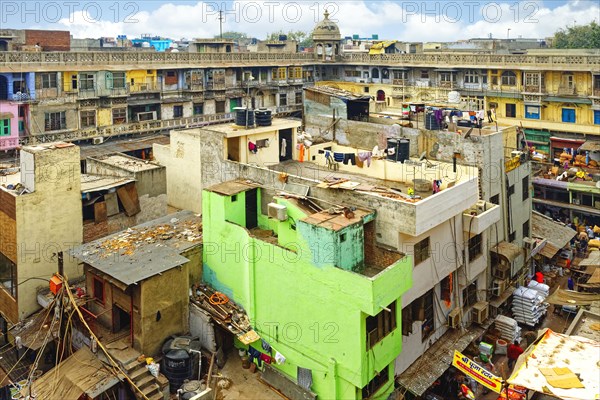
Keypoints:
pixel 437 359
pixel 81 373
pixel 557 235
pixel 590 145
pixel 143 251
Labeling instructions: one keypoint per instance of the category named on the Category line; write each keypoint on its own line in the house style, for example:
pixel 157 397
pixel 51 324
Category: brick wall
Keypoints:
pixel 93 231
pixel 376 256
pixel 49 40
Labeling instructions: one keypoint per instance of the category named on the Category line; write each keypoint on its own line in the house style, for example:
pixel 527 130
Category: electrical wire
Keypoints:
pixel 27 350
pixel 106 353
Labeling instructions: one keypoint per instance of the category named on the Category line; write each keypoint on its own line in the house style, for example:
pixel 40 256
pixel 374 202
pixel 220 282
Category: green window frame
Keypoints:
pixel 5 127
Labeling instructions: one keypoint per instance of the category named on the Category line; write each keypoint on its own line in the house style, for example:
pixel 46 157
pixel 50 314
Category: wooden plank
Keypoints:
pixel 129 198
pixel 100 211
pixel 8 306
pixel 112 204
pixel 8 204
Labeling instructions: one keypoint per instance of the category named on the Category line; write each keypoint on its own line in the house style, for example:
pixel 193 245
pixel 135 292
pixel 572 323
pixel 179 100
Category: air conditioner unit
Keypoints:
pixel 480 312
pixel 501 271
pixel 98 140
pixel 277 211
pixel 499 286
pixel 529 243
pixel 454 318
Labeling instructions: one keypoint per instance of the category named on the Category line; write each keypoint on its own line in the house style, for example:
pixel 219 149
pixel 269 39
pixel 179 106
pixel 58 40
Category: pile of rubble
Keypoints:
pixel 128 241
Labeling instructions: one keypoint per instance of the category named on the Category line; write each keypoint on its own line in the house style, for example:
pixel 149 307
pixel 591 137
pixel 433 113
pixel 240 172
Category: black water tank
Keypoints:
pixel 240 116
pixel 283 38
pixel 177 367
pixel 392 144
pixel 431 122
pixel 263 117
pixel 403 150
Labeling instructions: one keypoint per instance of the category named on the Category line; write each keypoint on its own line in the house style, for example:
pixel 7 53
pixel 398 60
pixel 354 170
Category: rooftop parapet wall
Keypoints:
pixel 85 61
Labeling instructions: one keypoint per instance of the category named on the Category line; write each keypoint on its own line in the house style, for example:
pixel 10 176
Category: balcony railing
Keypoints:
pixel 91 60
pixel 143 87
pixel 565 89
pixel 534 89
pixel 141 127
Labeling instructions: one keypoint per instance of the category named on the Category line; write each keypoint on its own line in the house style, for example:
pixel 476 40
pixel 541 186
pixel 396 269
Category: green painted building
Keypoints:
pixel 315 285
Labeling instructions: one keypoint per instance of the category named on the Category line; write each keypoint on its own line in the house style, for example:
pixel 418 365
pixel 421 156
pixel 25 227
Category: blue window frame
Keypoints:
pixel 532 112
pixel 568 115
pixel 596 117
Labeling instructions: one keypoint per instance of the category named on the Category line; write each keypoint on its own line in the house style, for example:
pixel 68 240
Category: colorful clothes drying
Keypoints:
pixel 349 157
pixel 338 157
pixel 365 156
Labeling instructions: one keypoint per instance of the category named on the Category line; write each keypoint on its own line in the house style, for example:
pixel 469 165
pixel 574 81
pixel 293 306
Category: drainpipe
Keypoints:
pixel 252 283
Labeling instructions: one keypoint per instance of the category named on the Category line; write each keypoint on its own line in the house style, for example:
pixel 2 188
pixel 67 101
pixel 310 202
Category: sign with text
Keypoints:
pixel 477 372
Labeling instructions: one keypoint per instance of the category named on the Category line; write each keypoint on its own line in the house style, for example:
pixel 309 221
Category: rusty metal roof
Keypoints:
pixel 557 235
pixel 138 253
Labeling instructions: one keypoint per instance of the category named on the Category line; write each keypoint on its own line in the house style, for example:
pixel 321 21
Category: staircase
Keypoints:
pixel 144 380
pixel 127 358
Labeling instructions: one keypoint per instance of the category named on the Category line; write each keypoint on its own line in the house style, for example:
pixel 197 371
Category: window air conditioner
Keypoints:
pixel 98 140
pixel 480 312
pixel 499 287
pixel 501 271
pixel 277 211
pixel 454 318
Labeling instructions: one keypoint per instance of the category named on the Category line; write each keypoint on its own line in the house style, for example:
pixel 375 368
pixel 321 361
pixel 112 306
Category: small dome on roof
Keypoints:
pixel 326 29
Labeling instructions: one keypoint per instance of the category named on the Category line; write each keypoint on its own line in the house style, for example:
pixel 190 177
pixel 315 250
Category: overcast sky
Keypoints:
pixel 401 20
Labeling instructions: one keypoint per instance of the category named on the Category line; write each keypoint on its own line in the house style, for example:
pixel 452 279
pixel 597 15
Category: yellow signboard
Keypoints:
pixel 477 372
pixel 512 164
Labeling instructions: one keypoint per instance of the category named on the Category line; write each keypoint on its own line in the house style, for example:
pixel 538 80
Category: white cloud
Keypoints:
pixel 405 20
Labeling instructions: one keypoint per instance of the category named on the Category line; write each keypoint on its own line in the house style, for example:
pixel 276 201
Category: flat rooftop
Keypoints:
pixel 230 188
pixel 92 183
pixel 127 163
pixel 45 147
pixel 145 250
pixel 232 130
pixel 335 222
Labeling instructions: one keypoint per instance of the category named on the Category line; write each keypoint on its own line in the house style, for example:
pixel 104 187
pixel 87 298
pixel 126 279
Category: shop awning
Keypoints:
pixel 562 297
pixel 560 365
pixel 593 260
pixel 576 100
pixel 81 373
pixel 509 251
pixel 557 235
pixel 590 145
pixel 437 359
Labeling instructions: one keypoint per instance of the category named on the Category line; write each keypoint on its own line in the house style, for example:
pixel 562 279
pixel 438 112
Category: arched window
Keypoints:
pixel 3 45
pixel 380 95
pixel 375 73
pixel 509 78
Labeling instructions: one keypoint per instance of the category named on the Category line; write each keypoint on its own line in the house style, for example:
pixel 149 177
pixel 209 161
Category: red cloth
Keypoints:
pixel 513 352
pixel 568 263
pixel 266 358
pixel 539 277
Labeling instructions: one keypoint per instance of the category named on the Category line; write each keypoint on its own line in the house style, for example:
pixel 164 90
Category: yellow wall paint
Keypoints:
pixel 104 117
pixel 140 77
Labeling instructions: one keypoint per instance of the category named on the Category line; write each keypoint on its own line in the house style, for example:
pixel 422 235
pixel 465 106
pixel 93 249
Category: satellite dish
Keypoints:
pixel 424 156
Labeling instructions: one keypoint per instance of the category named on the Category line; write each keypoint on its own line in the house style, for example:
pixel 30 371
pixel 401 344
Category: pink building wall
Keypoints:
pixel 12 141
